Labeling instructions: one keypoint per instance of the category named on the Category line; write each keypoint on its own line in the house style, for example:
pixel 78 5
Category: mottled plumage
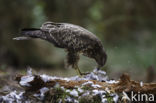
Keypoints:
pixel 75 39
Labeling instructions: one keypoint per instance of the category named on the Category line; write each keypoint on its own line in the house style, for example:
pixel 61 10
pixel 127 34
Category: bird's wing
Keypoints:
pixel 71 37
pixel 52 37
pixel 68 35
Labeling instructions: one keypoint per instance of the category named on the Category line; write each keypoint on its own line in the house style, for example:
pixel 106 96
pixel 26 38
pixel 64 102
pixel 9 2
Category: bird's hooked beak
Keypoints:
pixel 101 59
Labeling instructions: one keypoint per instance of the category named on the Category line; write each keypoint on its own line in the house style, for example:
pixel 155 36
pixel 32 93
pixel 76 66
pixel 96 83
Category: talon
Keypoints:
pixel 84 73
pixel 79 72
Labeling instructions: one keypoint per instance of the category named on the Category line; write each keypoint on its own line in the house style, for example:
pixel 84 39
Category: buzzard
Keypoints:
pixel 74 39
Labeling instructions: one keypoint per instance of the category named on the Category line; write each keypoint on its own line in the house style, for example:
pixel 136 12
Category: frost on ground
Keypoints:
pixel 13 97
pixel 26 79
pixel 86 92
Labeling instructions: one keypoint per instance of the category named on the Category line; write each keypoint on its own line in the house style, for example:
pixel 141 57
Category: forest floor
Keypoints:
pixel 95 87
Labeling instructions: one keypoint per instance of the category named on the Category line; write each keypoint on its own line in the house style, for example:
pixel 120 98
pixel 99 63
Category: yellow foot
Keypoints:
pixel 79 72
pixel 85 73
pixel 82 74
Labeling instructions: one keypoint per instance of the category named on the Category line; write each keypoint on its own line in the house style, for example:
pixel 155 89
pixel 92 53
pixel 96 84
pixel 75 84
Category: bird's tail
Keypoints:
pixel 29 33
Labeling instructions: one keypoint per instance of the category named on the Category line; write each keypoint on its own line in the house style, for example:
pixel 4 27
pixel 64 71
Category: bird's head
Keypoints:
pixel 101 58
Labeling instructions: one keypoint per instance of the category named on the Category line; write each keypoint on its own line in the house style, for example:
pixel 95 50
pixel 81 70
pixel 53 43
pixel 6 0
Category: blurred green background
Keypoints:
pixel 127 29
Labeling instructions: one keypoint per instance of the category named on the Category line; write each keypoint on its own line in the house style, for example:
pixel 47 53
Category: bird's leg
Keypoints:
pixel 72 60
pixel 77 70
pixel 85 73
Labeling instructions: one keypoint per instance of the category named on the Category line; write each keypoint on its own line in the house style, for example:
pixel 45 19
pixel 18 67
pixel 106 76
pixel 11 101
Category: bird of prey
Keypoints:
pixel 74 39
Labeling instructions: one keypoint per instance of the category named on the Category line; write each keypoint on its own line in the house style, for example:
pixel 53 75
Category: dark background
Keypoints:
pixel 127 29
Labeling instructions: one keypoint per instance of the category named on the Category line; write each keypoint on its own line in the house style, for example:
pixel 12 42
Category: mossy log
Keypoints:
pixel 124 84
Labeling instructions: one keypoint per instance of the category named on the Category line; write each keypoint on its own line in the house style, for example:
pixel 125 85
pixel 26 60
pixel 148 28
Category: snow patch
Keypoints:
pixel 101 92
pixel 47 78
pixel 96 86
pixel 43 91
pixel 95 75
pixel 12 97
pixel 86 83
pixel 41 95
pixel 80 90
pixel 68 99
pixel 86 93
pixel 25 80
pixel 73 92
pixel 141 84
pixel 112 81
pixel 98 75
pixel 29 71
pixel 115 98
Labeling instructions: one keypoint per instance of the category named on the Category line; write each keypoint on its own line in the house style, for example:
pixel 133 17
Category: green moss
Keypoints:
pixel 87 87
pixel 97 99
pixel 90 99
pixel 55 95
pixel 109 98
